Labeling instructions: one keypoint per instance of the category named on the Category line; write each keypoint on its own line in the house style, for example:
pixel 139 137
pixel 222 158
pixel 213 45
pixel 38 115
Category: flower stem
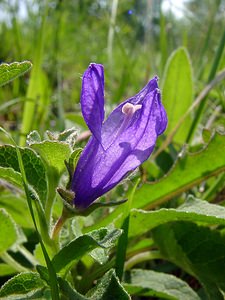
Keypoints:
pixel 141 257
pixel 57 228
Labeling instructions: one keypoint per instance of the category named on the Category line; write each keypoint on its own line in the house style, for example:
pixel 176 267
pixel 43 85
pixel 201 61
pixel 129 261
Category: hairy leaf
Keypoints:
pixel 54 153
pixel 9 72
pixel 21 284
pixel 193 209
pixel 189 170
pixel 164 286
pixel 108 288
pixel 34 168
pixel 66 257
pixel 198 250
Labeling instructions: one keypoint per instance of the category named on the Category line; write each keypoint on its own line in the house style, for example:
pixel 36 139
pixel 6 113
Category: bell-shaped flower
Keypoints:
pixel 119 144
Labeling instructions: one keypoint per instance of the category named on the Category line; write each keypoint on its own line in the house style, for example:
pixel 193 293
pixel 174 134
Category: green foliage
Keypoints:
pixel 181 178
pixel 53 162
pixel 9 234
pixel 16 206
pixel 182 234
pixel 177 92
pixel 65 258
pixel 21 284
pixel 108 288
pixel 6 270
pixel 164 286
pixel 198 250
pixel 189 170
pixel 8 72
pixel 34 168
pixel 193 210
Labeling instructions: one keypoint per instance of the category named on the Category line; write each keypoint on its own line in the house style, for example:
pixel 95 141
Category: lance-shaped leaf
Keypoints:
pixel 178 92
pixel 189 170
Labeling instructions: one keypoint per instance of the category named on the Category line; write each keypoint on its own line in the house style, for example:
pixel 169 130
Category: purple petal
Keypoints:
pixel 92 98
pixel 128 137
pixel 115 119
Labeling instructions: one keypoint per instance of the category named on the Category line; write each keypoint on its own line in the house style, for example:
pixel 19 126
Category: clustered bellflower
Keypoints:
pixel 119 144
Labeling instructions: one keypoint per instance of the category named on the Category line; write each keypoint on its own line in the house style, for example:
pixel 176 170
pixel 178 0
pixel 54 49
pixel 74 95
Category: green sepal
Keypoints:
pixel 68 197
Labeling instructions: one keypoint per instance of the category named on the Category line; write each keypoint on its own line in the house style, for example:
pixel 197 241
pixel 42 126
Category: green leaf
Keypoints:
pixel 34 168
pixel 140 282
pixel 77 119
pixel 54 154
pixel 66 257
pixel 68 292
pixel 21 284
pixel 189 170
pixel 193 209
pixel 177 92
pixel 198 250
pixel 9 233
pixel 6 270
pixel 108 288
pixel 12 176
pixel 40 294
pixel 11 71
pixel 17 207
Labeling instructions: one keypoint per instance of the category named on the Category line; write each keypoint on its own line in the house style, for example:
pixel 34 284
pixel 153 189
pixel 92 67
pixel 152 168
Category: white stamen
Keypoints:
pixel 129 109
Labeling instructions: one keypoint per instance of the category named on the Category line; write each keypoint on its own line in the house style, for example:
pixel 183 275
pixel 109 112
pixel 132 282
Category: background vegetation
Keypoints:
pixel 134 40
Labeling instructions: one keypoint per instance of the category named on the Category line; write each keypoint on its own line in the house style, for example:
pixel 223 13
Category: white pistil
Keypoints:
pixel 129 109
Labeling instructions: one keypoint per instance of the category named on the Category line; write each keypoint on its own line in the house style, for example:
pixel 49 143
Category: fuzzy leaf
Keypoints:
pixel 21 284
pixel 9 72
pixel 193 209
pixel 12 176
pixel 199 250
pixel 108 288
pixel 189 170
pixel 34 168
pixel 54 154
pixel 66 257
pixel 154 284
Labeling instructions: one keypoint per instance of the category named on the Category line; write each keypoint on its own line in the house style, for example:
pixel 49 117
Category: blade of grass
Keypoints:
pixel 163 41
pixel 212 74
pixel 33 88
pixel 123 240
pixel 111 32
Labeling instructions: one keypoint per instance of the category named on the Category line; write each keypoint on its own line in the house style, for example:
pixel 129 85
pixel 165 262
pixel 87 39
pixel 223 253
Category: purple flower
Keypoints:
pixel 119 144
